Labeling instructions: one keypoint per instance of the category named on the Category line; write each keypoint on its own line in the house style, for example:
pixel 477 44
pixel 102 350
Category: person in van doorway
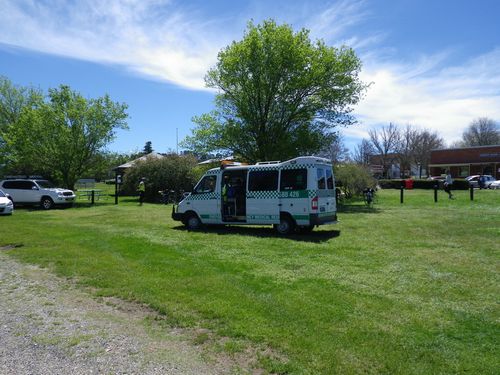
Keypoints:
pixel 447 184
pixel 239 196
pixel 142 190
pixel 228 196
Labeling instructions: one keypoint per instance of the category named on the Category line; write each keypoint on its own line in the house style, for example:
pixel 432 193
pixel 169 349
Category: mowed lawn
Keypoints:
pixel 407 288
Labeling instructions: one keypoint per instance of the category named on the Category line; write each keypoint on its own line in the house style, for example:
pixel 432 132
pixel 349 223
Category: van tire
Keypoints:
pixel 286 225
pixel 193 222
pixel 47 203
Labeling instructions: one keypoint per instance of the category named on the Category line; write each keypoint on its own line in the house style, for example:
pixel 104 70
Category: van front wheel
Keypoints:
pixel 193 222
pixel 286 225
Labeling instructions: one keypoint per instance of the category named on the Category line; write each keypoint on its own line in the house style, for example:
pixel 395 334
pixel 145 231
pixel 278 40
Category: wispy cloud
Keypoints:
pixel 150 37
pixel 428 95
pixel 176 42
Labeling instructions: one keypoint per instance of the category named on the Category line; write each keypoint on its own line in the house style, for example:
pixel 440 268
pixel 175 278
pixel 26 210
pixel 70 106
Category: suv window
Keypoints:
pixel 263 181
pixel 293 179
pixel 18 185
pixel 45 184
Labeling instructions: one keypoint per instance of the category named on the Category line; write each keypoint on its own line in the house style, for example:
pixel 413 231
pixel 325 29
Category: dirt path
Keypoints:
pixel 50 327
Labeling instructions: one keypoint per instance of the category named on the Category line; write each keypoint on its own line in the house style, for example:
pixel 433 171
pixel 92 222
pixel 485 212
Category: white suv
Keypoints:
pixel 34 191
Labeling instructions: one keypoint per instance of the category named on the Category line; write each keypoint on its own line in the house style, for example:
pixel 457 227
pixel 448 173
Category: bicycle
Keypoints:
pixel 167 196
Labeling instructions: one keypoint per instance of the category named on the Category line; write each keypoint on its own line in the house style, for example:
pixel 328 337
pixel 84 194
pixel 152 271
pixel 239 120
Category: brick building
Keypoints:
pixel 463 162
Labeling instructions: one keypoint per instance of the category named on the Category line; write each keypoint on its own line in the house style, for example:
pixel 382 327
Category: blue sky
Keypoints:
pixel 433 64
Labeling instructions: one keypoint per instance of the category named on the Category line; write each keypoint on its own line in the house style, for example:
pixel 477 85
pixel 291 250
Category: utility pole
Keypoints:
pixel 177 140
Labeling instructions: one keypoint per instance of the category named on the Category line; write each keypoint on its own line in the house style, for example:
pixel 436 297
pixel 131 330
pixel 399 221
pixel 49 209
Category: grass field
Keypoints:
pixel 410 289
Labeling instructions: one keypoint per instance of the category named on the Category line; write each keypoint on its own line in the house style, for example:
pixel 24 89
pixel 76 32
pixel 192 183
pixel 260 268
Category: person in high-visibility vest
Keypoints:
pixel 142 190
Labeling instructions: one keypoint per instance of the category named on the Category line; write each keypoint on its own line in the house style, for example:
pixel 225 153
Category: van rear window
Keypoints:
pixel 329 178
pixel 293 179
pixel 263 181
pixel 321 178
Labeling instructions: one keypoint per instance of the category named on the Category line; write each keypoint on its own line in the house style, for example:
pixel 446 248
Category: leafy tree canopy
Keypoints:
pixel 62 136
pixel 279 95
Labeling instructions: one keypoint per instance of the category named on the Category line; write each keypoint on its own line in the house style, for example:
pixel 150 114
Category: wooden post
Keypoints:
pixel 435 193
pixel 471 188
pixel 401 195
pixel 93 195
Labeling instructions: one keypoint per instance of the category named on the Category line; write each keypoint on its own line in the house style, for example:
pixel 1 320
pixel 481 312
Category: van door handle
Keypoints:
pixel 250 196
pixel 279 205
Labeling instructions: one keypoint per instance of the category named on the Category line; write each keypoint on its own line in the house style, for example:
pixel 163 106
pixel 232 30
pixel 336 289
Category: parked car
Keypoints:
pixel 6 205
pixel 36 192
pixel 495 184
pixel 474 180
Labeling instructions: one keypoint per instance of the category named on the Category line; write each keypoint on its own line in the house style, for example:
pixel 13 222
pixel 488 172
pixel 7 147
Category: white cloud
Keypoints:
pixel 150 37
pixel 161 40
pixel 442 99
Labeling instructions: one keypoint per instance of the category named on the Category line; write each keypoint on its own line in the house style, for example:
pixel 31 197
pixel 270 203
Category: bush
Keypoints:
pixel 172 172
pixel 352 179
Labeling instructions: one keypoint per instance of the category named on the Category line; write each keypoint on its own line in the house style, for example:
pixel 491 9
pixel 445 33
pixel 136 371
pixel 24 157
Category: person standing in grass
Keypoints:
pixel 447 184
pixel 142 191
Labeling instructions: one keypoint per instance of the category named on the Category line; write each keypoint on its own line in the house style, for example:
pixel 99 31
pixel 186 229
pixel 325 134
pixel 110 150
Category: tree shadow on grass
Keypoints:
pixel 316 236
pixel 357 209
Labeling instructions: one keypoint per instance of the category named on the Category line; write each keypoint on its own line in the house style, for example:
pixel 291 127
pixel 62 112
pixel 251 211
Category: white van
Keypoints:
pixel 295 194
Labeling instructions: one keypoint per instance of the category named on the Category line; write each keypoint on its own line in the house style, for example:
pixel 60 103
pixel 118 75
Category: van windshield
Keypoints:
pixel 45 184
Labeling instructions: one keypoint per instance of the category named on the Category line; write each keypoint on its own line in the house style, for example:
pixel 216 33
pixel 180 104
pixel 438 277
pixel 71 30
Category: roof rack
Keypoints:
pixel 24 176
pixel 268 162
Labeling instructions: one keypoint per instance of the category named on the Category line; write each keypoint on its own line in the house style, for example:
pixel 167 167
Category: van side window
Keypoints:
pixel 206 185
pixel 263 181
pixel 329 178
pixel 321 178
pixel 293 179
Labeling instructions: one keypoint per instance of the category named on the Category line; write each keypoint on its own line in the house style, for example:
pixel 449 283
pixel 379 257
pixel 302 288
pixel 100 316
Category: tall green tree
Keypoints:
pixel 13 100
pixel 279 95
pixel 63 136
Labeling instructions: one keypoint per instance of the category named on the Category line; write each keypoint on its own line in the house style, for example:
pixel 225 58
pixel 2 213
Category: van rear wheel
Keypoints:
pixel 286 226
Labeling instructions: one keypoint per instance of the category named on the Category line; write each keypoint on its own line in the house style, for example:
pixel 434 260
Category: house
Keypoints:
pixel 467 161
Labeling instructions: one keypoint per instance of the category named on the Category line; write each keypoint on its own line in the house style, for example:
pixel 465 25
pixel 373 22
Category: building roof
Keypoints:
pixel 130 163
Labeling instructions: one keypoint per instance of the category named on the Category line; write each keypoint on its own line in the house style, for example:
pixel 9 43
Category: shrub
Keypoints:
pixel 172 172
pixel 352 179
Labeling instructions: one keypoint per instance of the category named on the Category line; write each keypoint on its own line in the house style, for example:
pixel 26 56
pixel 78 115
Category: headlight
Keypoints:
pixel 10 204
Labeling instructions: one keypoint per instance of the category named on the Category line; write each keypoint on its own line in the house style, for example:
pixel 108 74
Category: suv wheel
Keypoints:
pixel 47 203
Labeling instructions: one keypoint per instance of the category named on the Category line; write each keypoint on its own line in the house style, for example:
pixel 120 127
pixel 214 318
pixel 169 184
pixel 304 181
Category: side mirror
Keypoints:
pixel 8 196
pixel 35 188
